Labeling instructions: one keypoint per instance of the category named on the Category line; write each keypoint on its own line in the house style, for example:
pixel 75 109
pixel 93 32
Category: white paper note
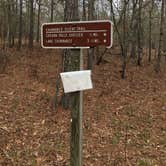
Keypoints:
pixel 76 81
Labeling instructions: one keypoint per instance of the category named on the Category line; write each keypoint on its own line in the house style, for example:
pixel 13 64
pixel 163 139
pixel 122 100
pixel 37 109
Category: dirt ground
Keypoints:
pixel 124 120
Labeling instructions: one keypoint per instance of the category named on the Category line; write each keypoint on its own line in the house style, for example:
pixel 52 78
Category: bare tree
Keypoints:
pixel 165 34
pixel 9 14
pixel 139 33
pixel 121 37
pixel 38 20
pixel 133 29
pixel 157 68
pixel 20 26
pixel 84 10
pixel 31 25
pixel 150 30
pixel 91 16
pixel 52 10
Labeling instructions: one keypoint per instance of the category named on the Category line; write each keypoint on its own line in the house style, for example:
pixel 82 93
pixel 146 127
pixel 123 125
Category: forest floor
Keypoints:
pixel 124 119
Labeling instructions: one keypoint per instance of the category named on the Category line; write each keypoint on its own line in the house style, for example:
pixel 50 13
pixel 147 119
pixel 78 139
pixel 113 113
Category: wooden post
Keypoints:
pixel 76 117
pixel 81 112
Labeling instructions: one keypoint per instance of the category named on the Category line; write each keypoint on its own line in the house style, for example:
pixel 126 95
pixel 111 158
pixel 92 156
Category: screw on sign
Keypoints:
pixel 77 34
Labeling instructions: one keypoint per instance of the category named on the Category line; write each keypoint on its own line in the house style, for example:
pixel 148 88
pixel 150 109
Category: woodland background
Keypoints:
pixel 125 113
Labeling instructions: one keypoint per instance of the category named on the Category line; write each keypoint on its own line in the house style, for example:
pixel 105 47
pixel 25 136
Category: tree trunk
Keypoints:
pixel 150 31
pixel 160 37
pixel 69 15
pixel 31 25
pixel 38 22
pixel 139 34
pixel 84 10
pixel 91 51
pixel 52 10
pixel 20 27
pixel 66 53
pixel 133 28
pixel 4 24
pixel 14 20
pixel 74 65
pixel 121 38
pixel 9 33
pixel 91 11
pixel 165 34
pixel 124 40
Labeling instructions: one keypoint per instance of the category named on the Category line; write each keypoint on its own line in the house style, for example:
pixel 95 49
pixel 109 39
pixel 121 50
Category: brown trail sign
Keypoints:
pixel 77 34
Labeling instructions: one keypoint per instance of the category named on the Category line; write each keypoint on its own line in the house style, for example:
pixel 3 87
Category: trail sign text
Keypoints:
pixel 77 34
